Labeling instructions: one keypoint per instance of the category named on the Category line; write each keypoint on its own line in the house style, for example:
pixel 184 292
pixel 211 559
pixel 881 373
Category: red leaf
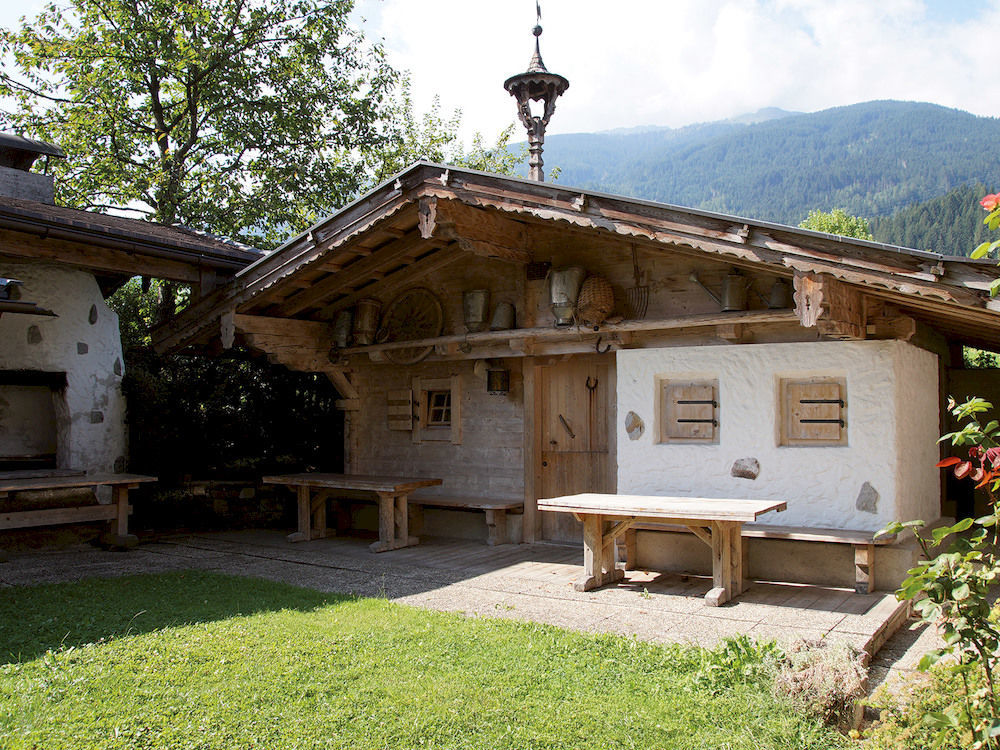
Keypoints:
pixel 986 479
pixel 963 469
pixel 946 462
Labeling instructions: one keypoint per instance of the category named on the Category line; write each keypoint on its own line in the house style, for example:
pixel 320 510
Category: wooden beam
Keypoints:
pixel 288 328
pixel 365 270
pixel 834 308
pixel 395 281
pixel 485 233
pixel 548 333
pixel 22 245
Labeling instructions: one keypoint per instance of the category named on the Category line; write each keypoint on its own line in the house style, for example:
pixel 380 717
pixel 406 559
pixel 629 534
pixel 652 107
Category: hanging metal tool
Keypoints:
pixel 637 297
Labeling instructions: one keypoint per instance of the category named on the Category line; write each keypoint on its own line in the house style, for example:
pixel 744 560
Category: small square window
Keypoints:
pixel 438 412
pixel 813 411
pixel 439 409
pixel 689 411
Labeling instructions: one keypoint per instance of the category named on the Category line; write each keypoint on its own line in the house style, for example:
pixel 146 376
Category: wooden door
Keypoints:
pixel 576 436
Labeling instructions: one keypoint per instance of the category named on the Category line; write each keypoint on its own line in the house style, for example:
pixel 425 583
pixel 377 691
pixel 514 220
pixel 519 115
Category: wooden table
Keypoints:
pixel 716 522
pixel 392 493
pixel 117 512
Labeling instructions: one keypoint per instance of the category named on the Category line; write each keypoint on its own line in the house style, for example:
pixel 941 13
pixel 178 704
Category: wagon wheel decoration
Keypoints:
pixel 414 314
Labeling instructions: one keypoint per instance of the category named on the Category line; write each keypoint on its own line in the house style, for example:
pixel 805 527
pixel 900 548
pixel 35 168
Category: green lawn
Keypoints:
pixel 198 660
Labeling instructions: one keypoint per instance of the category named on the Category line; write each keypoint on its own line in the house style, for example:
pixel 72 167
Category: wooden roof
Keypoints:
pixel 431 215
pixel 115 244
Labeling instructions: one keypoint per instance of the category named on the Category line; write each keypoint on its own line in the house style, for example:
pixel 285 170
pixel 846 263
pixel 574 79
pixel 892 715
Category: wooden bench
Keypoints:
pixel 864 543
pixel 496 512
pixel 116 512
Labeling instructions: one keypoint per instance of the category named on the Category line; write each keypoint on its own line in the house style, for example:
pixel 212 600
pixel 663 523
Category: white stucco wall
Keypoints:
pixel 892 429
pixel 91 430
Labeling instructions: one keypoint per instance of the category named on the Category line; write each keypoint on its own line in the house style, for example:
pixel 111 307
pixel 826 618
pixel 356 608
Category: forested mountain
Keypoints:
pixel 951 224
pixel 869 159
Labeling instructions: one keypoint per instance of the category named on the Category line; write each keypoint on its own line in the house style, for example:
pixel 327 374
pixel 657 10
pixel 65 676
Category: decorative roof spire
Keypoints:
pixel 536 84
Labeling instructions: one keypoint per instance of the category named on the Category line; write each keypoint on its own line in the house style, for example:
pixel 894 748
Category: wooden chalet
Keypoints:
pixel 738 358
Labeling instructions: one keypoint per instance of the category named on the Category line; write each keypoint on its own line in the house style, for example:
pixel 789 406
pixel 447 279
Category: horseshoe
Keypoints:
pixel 593 387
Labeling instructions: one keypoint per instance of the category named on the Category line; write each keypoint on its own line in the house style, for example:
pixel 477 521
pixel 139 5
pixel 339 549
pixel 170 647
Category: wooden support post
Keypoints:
pixel 864 568
pixel 496 526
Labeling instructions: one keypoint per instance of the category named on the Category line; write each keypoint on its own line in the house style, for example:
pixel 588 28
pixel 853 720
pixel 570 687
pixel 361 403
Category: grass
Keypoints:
pixel 199 660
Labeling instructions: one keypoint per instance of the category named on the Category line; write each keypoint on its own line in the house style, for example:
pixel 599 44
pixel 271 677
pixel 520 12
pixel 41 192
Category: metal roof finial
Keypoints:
pixel 536 84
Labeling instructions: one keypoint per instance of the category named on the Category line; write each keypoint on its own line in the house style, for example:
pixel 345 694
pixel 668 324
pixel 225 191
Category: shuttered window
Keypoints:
pixel 813 412
pixel 689 411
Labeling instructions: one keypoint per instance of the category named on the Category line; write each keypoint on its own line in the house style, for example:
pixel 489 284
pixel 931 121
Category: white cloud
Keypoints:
pixel 673 62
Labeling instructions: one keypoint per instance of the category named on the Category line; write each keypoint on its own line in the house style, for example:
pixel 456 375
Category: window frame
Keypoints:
pixel 667 405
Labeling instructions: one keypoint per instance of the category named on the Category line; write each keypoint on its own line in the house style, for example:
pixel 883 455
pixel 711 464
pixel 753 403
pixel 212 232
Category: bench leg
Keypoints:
pixel 496 527
pixel 343 516
pixel 631 559
pixel 864 568
pixel 416 513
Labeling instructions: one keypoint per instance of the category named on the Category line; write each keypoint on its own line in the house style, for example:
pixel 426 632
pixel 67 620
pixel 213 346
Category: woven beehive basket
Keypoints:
pixel 596 301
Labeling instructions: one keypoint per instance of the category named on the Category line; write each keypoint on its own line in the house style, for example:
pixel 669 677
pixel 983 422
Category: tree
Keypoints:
pixel 839 222
pixel 247 118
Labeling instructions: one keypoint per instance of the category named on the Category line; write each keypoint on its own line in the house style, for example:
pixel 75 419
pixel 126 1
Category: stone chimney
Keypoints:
pixel 17 154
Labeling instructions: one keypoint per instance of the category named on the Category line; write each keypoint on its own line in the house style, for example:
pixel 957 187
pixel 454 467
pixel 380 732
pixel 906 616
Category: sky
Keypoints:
pixel 675 62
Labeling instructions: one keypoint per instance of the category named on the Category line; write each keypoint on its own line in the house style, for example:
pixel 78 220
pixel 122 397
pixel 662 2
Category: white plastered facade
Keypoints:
pixel 892 428
pixel 83 342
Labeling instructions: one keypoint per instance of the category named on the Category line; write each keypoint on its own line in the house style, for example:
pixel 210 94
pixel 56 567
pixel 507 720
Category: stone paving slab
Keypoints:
pixel 522 582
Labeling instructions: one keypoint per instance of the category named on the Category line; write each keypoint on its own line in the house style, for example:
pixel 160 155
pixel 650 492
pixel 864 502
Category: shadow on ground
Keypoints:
pixel 36 619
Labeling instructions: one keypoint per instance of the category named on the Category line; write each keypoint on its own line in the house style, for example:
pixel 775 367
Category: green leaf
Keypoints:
pixel 961 592
pixel 981 251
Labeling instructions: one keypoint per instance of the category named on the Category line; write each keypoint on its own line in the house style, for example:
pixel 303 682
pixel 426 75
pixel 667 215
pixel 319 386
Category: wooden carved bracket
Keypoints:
pixel 474 230
pixel 834 308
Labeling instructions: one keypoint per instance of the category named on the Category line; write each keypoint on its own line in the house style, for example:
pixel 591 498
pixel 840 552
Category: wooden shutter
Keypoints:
pixel 814 412
pixel 400 409
pixel 689 412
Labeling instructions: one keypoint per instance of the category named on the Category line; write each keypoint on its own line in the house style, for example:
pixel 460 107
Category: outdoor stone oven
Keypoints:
pixel 61 404
pixel 31 404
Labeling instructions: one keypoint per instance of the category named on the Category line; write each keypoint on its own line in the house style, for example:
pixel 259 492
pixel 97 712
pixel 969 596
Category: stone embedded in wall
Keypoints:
pixel 118 367
pixel 96 417
pixel 867 499
pixel 634 426
pixel 34 335
pixel 92 316
pixel 81 348
pixel 746 468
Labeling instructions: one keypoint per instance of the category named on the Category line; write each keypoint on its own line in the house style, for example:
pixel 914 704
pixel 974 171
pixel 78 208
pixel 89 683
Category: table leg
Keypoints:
pixel 598 558
pixel 304 534
pixel 727 562
pixel 393 524
pixel 119 536
pixel 318 510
